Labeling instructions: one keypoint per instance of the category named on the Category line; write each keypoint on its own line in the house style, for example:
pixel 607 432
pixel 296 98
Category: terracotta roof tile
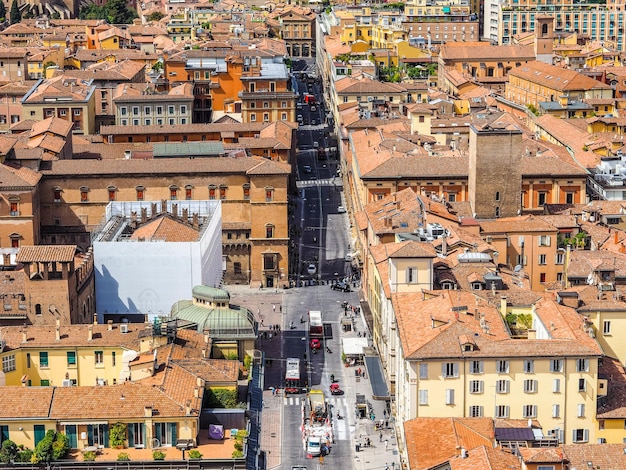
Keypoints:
pixel 165 228
pixel 25 402
pixel 46 253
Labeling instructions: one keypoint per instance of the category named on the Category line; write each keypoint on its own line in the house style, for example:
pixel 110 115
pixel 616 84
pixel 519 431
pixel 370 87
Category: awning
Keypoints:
pixel 81 423
pixel 354 346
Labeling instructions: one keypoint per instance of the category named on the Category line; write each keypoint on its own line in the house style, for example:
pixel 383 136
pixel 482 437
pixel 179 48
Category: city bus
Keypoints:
pixel 292 376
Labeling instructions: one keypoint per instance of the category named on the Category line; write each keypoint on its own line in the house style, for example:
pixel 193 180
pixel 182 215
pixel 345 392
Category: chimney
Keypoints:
pixel 503 306
pixel 163 206
pixel 110 325
pixel 175 210
pixel 95 318
pixel 188 410
pixel 147 412
pixel 186 215
pixel 89 333
pixel 194 220
pixel 57 330
pixel 444 245
pixel 24 336
pixel 144 215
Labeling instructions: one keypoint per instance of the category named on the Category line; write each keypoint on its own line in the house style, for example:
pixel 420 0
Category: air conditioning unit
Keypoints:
pixel 124 328
pixel 67 383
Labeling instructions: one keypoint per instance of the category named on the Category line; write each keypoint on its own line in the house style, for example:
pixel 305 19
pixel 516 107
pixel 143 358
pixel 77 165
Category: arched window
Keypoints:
pixel 173 192
pixel 269 231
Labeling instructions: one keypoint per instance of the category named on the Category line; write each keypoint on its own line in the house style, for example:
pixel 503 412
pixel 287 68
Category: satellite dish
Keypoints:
pixel 517 268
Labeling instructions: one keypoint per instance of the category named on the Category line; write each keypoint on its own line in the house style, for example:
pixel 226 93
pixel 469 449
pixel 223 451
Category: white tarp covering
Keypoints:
pixel 353 346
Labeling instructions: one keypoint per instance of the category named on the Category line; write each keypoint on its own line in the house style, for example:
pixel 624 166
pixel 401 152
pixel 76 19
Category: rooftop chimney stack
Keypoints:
pixel 110 325
pixel 89 333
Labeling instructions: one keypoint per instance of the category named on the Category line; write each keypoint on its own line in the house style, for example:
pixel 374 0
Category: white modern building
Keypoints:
pixel 148 255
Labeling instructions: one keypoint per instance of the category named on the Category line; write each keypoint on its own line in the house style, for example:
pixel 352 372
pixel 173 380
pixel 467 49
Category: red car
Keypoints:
pixel 316 343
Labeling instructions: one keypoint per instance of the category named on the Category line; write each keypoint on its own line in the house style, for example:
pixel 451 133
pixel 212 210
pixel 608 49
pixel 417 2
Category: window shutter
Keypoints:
pixel 547 240
pixel 455 368
pixel 506 411
pixel 131 435
pixel 480 386
pixel 507 385
pixel 556 385
pixel 585 435
pixel 106 435
pixel 574 436
pixel 174 433
pixel 555 410
pixel 524 260
pixel 535 386
pixel 480 366
pixel 581 410
pixel 450 396
pixel 443 369
pixel 480 411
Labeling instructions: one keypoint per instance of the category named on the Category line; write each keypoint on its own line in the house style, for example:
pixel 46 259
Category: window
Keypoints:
pixel 237 267
pixel 502 411
pixel 542 259
pixel 183 109
pixel 269 231
pixel 266 117
pixel 28 360
pixel 580 435
pixel 269 194
pixel 502 386
pixel 411 275
pixel 113 359
pixel 99 358
pixel 159 110
pixel 173 193
pixel 476 411
pixel 530 386
pixel 529 366
pixel 14 209
pixel 123 111
pixel 76 112
pixel 212 191
pixel 529 411
pixel 423 397
pixel 582 385
pixel 476 367
pixel 556 386
pixel 476 386
pixel 450 396
pixel 43 359
pixel 283 116
pixel 140 193
pixel 188 192
pixel 502 367
pixel 98 434
pixel 544 240
pixel 57 194
pixel 170 109
pixel 556 365
pixel 606 327
pixel 580 410
pixel 497 195
pixel 541 198
pixel 582 365
pixel 135 111
pixel 560 258
pixel 556 410
pixel 449 369
pixel 84 194
pixel 71 358
pixel 8 363
pixel 246 192
pixel 223 192
pixel 423 370
pixel 45 382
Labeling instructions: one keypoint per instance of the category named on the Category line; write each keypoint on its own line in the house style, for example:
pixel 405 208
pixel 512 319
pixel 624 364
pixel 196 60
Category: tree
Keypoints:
pixel 16 15
pixel 3 11
pixel 155 16
pixel 114 11
pixel 52 447
pixel 8 452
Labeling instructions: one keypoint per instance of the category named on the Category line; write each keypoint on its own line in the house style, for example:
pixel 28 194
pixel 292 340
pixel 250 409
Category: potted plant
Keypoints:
pixel 194 454
pixel 89 456
pixel 158 455
pixel 117 435
pixel 123 457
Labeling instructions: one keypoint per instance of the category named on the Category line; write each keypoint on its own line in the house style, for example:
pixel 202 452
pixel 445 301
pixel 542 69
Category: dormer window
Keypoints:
pixel 476 286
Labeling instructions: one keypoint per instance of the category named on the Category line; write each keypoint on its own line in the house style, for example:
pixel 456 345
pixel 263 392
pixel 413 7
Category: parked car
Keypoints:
pixel 342 286
pixel 316 343
pixel 341 209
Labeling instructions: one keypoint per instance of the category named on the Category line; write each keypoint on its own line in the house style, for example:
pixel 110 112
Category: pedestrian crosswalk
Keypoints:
pixel 321 182
pixel 296 400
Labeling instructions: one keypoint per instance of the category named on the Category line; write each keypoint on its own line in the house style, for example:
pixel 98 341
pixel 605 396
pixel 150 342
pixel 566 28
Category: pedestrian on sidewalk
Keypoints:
pixel 386 424
pixel 393 466
pixel 386 444
pixel 381 436
pixel 386 466
pixel 280 308
pixel 273 307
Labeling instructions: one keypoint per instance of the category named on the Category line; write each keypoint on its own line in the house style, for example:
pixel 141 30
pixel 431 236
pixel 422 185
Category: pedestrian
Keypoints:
pixel 262 322
pixel 393 466
pixel 386 424
pixel 271 326
pixel 270 336
pixel 280 308
pixel 273 307
pixel 381 436
pixel 386 444
pixel 385 413
pixel 258 311
pixel 386 466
